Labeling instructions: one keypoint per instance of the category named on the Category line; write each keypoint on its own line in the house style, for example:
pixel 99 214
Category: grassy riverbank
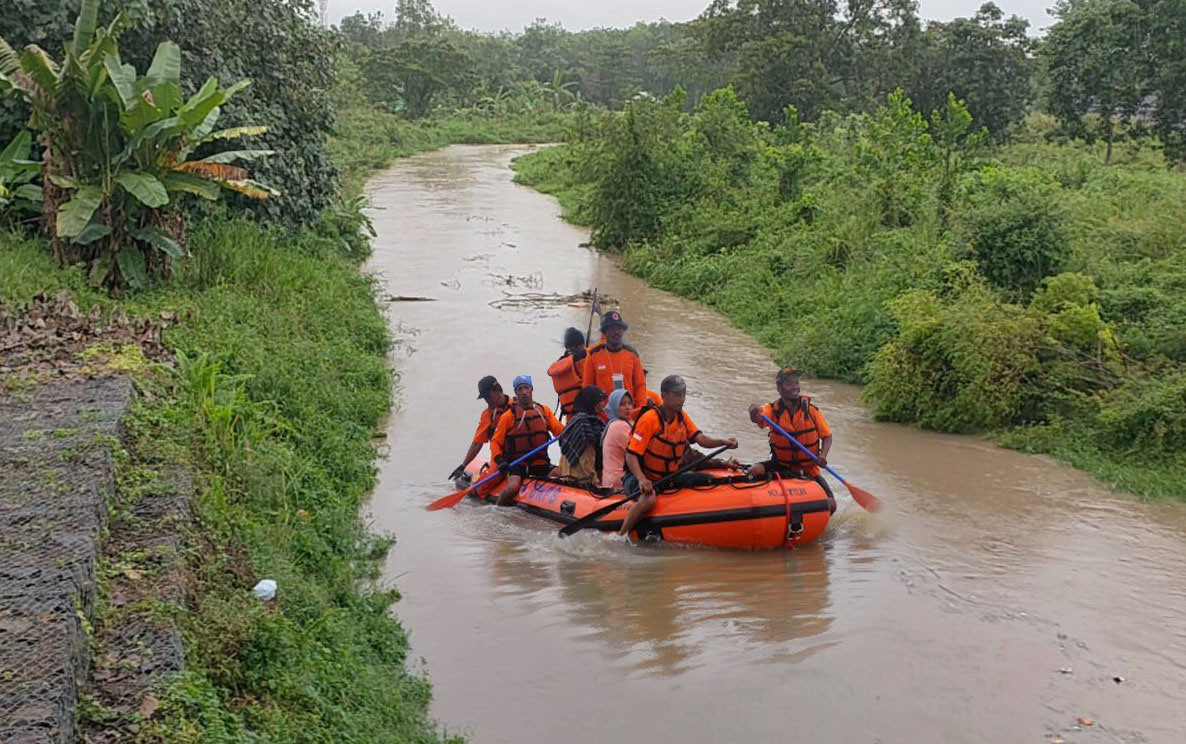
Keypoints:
pixel 1028 292
pixel 272 406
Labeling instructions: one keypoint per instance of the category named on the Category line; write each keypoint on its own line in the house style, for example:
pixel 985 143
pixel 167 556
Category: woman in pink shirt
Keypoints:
pixel 615 438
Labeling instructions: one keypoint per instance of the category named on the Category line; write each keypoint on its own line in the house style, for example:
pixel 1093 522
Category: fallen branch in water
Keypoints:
pixel 534 280
pixel 409 298
pixel 535 300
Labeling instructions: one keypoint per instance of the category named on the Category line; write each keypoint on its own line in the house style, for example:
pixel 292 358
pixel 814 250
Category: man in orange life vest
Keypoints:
pixel 612 365
pixel 798 417
pixel 521 429
pixel 566 371
pixel 658 446
pixel 497 403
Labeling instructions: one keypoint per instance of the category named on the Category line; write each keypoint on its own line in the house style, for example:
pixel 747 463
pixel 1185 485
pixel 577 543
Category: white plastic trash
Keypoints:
pixel 265 590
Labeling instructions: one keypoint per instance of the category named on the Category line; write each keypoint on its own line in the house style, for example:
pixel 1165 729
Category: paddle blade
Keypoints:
pixel 448 502
pixel 867 500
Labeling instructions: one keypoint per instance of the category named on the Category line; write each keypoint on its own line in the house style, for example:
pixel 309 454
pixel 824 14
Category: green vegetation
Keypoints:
pixel 1026 290
pixel 118 150
pixel 288 59
pixel 981 227
pixel 280 382
pixel 281 374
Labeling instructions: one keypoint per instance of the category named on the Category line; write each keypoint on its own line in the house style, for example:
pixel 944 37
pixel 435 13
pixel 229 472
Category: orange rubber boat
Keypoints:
pixel 730 512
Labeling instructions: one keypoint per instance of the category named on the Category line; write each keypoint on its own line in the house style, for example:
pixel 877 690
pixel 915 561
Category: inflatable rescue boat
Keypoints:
pixel 731 511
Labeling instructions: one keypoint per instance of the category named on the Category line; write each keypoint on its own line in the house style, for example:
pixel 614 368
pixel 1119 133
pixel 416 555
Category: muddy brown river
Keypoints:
pixel 999 598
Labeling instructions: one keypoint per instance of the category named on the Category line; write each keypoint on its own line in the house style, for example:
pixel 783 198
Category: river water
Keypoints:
pixel 998 598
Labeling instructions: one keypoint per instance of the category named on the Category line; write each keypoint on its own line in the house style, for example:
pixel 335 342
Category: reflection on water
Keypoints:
pixel 953 617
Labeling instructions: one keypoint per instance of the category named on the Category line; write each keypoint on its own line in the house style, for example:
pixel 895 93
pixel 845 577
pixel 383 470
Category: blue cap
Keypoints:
pixel 523 380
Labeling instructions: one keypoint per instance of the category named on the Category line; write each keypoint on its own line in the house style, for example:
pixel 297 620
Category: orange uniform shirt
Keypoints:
pixel 610 370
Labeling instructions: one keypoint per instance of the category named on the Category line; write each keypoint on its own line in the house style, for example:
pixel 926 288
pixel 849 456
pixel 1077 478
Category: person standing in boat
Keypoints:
pixel 497 403
pixel 799 417
pixel 658 446
pixel 580 444
pixel 566 371
pixel 612 365
pixel 521 429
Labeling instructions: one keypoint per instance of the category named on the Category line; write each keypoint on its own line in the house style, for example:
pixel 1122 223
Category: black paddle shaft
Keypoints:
pixel 593 516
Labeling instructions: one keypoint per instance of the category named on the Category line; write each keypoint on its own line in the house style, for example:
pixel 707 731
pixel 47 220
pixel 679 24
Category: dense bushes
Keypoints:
pixel 1026 289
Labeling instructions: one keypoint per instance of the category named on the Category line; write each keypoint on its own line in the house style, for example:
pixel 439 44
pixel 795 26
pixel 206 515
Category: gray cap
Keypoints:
pixel 673 384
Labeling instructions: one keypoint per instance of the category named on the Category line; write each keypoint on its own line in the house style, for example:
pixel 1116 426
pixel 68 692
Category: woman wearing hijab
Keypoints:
pixel 615 438
pixel 580 442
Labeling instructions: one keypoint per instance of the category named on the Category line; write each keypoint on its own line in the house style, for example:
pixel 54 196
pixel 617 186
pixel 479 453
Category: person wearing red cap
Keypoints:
pixel 497 403
pixel 799 417
pixel 612 365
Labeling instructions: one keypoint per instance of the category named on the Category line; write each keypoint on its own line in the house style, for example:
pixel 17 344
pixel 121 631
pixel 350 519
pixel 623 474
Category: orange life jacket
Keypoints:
pixel 530 430
pixel 567 381
pixel 799 423
pixel 666 449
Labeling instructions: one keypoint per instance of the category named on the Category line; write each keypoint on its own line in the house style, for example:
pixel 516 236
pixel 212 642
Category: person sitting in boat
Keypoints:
pixel 614 439
pixel 566 371
pixel 525 426
pixel 580 443
pixel 497 403
pixel 653 398
pixel 799 417
pixel 658 446
pixel 613 365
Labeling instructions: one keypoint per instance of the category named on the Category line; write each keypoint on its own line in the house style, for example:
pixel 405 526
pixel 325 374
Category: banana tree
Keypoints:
pixel 17 173
pixel 119 149
pixel 561 91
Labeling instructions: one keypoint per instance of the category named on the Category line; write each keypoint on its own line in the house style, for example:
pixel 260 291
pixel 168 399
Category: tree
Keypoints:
pixel 887 43
pixel 417 70
pixel 1095 57
pixel 812 54
pixel 984 60
pixel 417 18
pixel 363 30
pixel 1167 72
pixel 544 48
pixel 789 52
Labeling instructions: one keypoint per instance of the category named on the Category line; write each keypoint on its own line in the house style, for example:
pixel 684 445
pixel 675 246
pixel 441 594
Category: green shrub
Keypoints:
pixel 958 363
pixel 1014 229
pixel 1146 414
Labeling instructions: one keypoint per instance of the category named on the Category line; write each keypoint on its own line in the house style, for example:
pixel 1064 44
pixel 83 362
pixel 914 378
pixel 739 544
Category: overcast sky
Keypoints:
pixel 513 15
